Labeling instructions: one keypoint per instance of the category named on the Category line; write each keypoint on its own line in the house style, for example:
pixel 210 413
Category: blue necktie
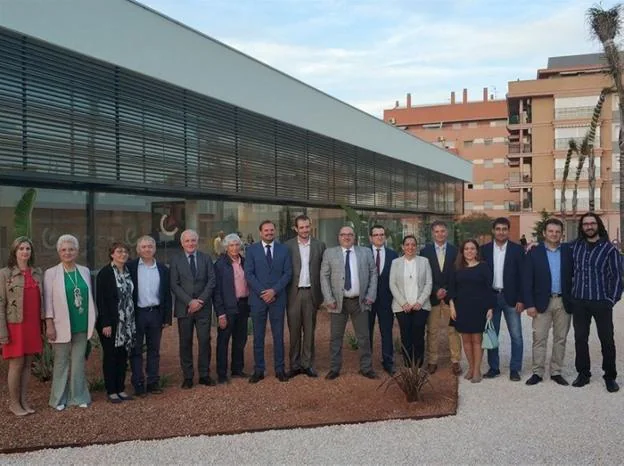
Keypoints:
pixel 193 266
pixel 268 254
pixel 347 285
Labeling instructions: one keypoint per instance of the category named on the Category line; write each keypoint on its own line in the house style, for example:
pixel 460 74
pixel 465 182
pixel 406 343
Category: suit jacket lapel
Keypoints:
pixel 297 255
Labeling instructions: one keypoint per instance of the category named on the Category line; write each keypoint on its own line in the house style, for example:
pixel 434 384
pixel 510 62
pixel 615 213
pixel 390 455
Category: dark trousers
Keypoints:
pixel 236 330
pixel 201 322
pixel 275 313
pixel 338 323
pixel 148 330
pixel 602 312
pixel 385 316
pixel 412 326
pixel 114 364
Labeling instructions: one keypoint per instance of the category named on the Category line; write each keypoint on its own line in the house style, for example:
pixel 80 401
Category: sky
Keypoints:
pixel 371 53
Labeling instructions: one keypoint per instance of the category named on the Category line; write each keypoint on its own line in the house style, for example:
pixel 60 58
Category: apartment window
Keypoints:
pixel 457 125
pixel 472 124
pixel 468 205
pixel 488 184
pixel 488 163
pixel 469 185
pixel 468 143
pixel 489 205
pixel 487 141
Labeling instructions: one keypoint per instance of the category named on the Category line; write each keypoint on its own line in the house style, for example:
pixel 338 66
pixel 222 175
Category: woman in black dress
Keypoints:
pixel 472 302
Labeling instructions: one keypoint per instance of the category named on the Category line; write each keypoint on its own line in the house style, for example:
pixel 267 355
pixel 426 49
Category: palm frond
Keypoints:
pixel 605 24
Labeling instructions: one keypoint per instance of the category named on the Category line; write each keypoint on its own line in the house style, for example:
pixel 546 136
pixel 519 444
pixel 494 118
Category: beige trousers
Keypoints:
pixel 556 317
pixel 439 319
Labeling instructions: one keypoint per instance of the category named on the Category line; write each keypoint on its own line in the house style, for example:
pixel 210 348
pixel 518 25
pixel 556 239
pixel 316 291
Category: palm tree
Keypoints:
pixel 605 25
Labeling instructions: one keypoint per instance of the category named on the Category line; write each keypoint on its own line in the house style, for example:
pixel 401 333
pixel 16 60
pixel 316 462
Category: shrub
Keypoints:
pixel 411 379
pixel 352 341
pixel 43 364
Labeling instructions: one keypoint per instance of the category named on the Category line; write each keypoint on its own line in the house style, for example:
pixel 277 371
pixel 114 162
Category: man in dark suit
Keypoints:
pixel 382 307
pixel 268 269
pixel 506 259
pixel 304 297
pixel 547 286
pixel 192 285
pixel 152 303
pixel 441 256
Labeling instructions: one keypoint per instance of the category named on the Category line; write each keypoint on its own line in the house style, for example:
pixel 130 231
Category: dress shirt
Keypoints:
pixel 440 253
pixel 382 257
pixel 148 291
pixel 554 263
pixel 240 284
pixel 355 277
pixel 188 257
pixel 304 274
pixel 410 281
pixel 597 271
pixel 264 248
pixel 499 265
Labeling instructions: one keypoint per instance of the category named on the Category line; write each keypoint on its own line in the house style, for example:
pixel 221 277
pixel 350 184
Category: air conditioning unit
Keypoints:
pixel 392 121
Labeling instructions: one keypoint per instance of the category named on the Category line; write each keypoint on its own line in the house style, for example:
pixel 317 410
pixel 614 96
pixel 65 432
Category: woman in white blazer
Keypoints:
pixel 410 284
pixel 70 318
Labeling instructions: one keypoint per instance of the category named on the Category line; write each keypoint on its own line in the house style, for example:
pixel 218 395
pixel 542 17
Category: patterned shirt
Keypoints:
pixel 597 271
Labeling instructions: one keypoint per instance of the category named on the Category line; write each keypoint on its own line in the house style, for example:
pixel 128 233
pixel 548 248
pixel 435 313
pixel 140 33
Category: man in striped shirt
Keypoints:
pixel 596 288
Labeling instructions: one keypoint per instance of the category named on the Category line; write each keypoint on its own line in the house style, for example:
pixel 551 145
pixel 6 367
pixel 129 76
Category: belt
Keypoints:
pixel 148 309
pixel 351 297
pixel 244 298
pixel 498 290
pixel 555 295
pixel 304 287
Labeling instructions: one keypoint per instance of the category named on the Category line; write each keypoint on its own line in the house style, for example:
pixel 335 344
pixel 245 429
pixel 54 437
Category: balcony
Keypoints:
pixel 527 204
pixel 575 113
pixel 515 148
pixel 518 180
pixel 513 207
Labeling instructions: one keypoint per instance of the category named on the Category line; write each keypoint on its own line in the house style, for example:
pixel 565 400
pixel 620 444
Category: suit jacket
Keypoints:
pixel 333 277
pixel 224 297
pixel 441 278
pixel 107 299
pixel 537 280
pixel 512 270
pixel 397 283
pixel 186 288
pixel 262 276
pixel 56 306
pixel 317 248
pixel 164 290
pixel 384 295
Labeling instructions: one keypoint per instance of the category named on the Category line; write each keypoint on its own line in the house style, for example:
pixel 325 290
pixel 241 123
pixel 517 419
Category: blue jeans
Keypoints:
pixel 514 325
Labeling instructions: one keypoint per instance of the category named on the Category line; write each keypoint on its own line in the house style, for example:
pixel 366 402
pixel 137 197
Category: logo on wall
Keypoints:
pixel 166 224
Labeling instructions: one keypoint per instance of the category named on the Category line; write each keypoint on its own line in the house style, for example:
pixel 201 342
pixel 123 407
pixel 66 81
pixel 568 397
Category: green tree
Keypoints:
pixel 473 226
pixel 538 228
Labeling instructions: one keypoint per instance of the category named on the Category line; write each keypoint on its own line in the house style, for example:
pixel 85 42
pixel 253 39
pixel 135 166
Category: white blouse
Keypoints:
pixel 410 281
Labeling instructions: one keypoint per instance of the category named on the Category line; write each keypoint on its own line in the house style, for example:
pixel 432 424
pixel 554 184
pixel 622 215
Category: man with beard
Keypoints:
pixel 597 287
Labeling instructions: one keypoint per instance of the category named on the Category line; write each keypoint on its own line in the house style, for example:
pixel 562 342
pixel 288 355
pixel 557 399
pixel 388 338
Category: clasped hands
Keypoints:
pixel 195 305
pixel 407 307
pixel 268 296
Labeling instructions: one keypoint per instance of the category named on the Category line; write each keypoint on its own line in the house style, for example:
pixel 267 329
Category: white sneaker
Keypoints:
pixel 83 405
pixel 60 407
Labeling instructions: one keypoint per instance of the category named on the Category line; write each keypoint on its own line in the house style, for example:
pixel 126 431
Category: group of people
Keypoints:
pixel 444 287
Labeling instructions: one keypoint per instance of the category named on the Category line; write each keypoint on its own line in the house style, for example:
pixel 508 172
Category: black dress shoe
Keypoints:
pixel 611 385
pixel 514 376
pixel 256 377
pixel 310 372
pixel 239 375
pixel 140 391
pixel 389 370
pixel 207 381
pixel 369 374
pixel 294 373
pixel 534 380
pixel 154 388
pixel 223 379
pixel 559 379
pixel 188 383
pixel 580 381
pixel 331 375
pixel 491 374
pixel 281 376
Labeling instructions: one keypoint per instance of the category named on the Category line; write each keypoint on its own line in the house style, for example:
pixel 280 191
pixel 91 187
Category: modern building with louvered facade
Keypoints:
pixel 126 122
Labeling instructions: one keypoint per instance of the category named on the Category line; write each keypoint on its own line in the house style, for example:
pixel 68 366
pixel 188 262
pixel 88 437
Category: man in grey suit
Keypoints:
pixel 304 297
pixel 349 286
pixel 192 283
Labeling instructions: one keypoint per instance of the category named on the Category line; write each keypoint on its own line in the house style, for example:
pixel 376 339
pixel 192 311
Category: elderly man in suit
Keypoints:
pixel 349 285
pixel 304 297
pixel 192 284
pixel 506 260
pixel 441 255
pixel 152 304
pixel 268 269
pixel 547 288
pixel 382 307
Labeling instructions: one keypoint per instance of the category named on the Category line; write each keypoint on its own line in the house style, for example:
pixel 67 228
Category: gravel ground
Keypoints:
pixel 498 421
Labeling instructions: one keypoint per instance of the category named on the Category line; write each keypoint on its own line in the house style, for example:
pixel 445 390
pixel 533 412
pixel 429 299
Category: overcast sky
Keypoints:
pixel 370 53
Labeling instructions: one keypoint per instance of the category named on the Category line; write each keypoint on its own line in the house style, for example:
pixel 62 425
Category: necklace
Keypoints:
pixel 77 293
pixel 411 267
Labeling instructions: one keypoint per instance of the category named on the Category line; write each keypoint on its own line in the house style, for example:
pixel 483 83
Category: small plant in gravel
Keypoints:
pixel 352 341
pixel 411 379
pixel 43 363
pixel 97 385
pixel 165 381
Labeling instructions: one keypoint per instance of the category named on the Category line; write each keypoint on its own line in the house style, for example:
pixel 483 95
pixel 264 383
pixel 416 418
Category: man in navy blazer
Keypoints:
pixel 441 255
pixel 506 259
pixel 152 303
pixel 547 288
pixel 382 307
pixel 268 269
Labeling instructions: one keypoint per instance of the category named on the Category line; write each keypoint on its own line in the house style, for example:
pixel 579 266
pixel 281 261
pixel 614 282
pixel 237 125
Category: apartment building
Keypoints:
pixel 544 114
pixel 477 132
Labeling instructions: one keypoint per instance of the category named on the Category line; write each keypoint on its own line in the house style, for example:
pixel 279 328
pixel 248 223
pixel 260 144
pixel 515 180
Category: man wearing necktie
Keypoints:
pixel 192 283
pixel 382 307
pixel 268 270
pixel 349 286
